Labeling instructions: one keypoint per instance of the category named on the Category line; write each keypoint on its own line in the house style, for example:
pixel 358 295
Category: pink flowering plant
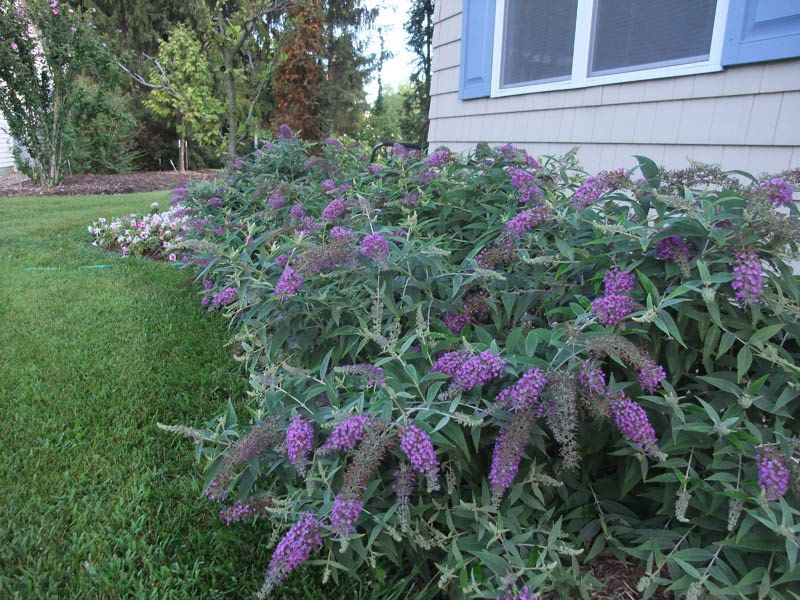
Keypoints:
pixel 494 368
pixel 154 235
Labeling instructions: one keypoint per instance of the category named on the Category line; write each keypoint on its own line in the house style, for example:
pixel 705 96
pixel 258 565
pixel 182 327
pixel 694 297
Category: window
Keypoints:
pixel 546 45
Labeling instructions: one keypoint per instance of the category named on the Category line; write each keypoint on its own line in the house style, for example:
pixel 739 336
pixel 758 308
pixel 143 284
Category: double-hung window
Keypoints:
pixel 561 44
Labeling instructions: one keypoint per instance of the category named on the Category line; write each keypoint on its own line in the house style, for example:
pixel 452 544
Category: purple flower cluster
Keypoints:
pixel 505 463
pixel 592 381
pixel 333 142
pixel 297 212
pixel 417 446
pixel 344 514
pixel 215 201
pixel 339 233
pixel 672 248
pixel 293 550
pixel 282 260
pixel 179 195
pixel 616 281
pixel 374 169
pixel 225 297
pixel 375 247
pixel 439 158
pixel 426 176
pixel 328 186
pixel 650 375
pixel 449 362
pixel 747 277
pixel 479 369
pixel 776 190
pixel 632 421
pixel 288 284
pixel 525 182
pixel 208 284
pixel 524 594
pixel 611 310
pixel 347 434
pixel 276 201
pixel 216 492
pixel 773 475
pixel 524 394
pixel 236 512
pixel 299 442
pixel 593 188
pixel 455 322
pixel 285 132
pixel 335 210
pixel 527 220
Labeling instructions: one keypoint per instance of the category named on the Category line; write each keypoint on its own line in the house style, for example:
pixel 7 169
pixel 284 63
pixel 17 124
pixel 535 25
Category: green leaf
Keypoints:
pixel 743 362
pixel 765 333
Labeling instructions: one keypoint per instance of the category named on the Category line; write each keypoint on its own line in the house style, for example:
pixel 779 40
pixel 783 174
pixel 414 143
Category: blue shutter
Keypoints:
pixel 761 30
pixel 477 43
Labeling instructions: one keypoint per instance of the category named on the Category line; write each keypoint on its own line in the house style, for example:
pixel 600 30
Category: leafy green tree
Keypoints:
pixel 182 90
pixel 419 28
pixel 44 48
pixel 384 124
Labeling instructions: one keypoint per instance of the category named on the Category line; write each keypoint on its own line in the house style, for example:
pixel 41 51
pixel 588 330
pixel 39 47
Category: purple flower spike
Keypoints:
pixel 632 421
pixel 524 594
pixel 776 190
pixel 449 363
pixel 480 369
pixel 225 297
pixel 346 435
pixel 439 158
pixel 773 475
pixel 418 447
pixel 456 321
pixel 295 548
pixel 524 394
pixel 650 376
pixel 747 277
pixel 505 463
pixel 672 248
pixel 334 210
pixel 344 514
pixel 617 282
pixel 276 201
pixel 611 310
pixel 299 442
pixel 375 246
pixel 591 190
pixel 237 511
pixel 288 284
pixel 339 233
pixel 527 220
pixel 592 381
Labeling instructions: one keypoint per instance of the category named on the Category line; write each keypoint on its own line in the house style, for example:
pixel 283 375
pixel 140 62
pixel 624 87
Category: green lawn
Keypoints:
pixel 95 501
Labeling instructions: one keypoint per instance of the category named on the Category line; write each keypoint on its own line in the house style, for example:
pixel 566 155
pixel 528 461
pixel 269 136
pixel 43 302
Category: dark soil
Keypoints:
pixel 85 184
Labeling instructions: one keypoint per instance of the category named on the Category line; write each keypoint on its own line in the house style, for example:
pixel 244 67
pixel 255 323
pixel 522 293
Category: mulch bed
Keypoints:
pixel 85 184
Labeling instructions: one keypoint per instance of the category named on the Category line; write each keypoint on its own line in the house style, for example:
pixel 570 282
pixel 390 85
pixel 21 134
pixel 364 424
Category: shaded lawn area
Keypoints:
pixel 95 501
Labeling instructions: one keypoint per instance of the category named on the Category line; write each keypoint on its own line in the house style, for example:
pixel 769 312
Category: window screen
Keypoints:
pixel 539 36
pixel 631 34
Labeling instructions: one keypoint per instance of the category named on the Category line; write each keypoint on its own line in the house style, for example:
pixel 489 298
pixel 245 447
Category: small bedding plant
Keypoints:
pixel 496 368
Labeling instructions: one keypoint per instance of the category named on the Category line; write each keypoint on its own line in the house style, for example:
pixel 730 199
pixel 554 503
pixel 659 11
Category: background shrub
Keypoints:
pixel 496 369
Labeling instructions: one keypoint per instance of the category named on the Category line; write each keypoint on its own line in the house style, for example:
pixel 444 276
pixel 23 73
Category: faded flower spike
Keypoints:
pixel 773 475
pixel 417 446
pixel 299 442
pixel 293 550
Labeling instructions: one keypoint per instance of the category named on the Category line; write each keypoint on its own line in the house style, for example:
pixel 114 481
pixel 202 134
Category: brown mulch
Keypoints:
pixel 84 184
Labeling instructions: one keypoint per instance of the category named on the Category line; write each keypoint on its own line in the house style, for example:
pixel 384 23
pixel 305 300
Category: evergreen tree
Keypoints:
pixel 419 28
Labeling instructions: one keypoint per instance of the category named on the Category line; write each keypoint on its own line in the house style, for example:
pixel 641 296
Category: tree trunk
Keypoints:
pixel 182 154
pixel 230 92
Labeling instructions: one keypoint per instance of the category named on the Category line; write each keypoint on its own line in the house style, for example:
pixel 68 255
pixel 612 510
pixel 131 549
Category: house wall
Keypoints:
pixel 6 158
pixel 745 117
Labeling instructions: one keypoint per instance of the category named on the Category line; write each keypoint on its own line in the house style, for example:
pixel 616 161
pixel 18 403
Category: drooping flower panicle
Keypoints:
pixel 747 277
pixel 417 446
pixel 773 474
pixel 299 442
pixel 295 548
pixel 524 394
pixel 346 435
pixel 633 423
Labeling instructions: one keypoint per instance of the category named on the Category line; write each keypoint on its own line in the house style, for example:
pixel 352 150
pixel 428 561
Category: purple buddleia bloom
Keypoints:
pixel 479 369
pixel 650 376
pixel 524 594
pixel 776 190
pixel 206 301
pixel 374 169
pixel 216 492
pixel 285 132
pixel 592 381
pixel 672 248
pixel 299 442
pixel 333 142
pixel 632 421
pixel 288 284
pixel 455 322
pixel 618 282
pixel 225 297
pixel 282 260
pixel 346 435
pixel 236 512
pixel 426 176
pixel 521 178
pixel 747 277
pixel 295 548
pixel 375 246
pixel 417 446
pixel 439 158
pixel 328 186
pixel 334 210
pixel 593 188
pixel 524 394
pixel 215 201
pixel 344 514
pixel 773 475
pixel 400 152
pixel 532 162
pixel 611 310
pixel 208 284
pixel 341 233
pixel 507 454
pixel 449 363
pixel 527 220
pixel 276 201
pixel 297 212
pixel 507 150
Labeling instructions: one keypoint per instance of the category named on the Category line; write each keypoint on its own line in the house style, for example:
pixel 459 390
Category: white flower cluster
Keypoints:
pixel 144 235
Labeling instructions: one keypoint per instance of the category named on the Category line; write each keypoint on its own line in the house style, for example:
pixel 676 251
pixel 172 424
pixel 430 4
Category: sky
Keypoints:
pixel 392 15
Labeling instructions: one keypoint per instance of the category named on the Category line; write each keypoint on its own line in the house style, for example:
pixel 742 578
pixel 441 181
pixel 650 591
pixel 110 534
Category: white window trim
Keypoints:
pixel 580 62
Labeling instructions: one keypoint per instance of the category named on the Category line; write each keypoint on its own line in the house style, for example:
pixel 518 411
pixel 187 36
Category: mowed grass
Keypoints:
pixel 95 501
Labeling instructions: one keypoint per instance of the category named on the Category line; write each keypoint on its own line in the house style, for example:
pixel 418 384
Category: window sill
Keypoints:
pixel 627 77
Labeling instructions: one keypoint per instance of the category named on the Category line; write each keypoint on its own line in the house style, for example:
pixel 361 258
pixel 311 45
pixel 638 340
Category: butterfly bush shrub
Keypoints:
pixel 498 369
